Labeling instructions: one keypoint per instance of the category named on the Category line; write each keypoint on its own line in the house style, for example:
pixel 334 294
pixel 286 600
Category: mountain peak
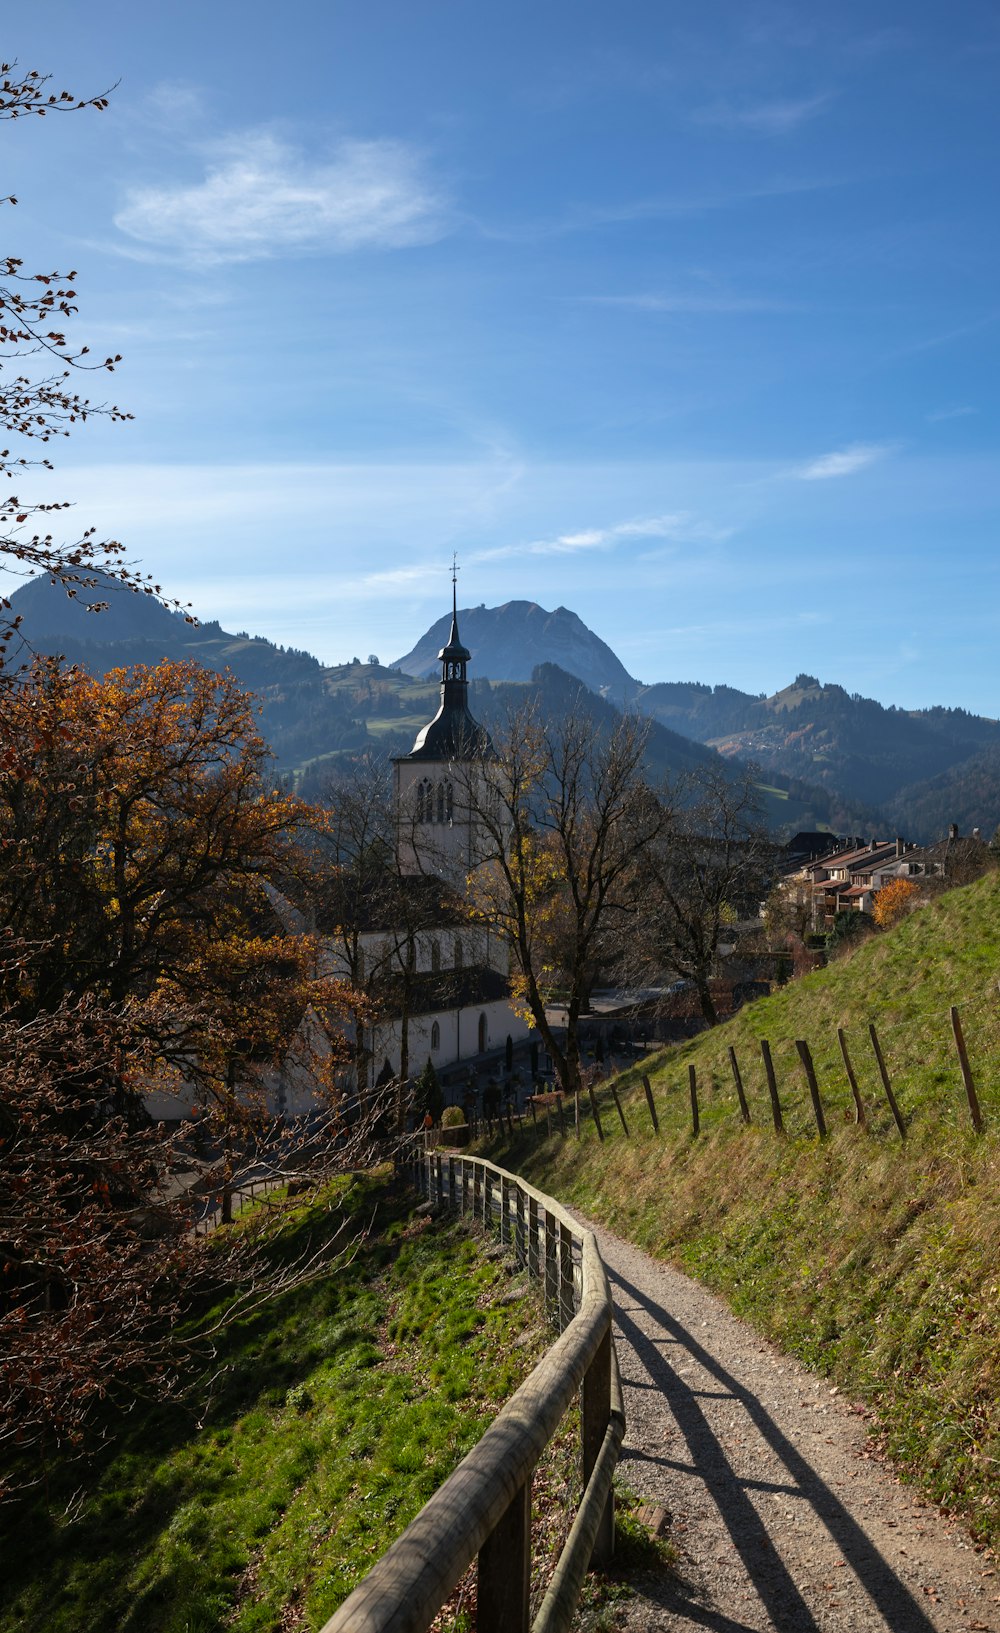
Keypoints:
pixel 509 641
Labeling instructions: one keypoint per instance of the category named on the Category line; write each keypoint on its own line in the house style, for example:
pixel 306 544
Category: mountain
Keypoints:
pixel 303 713
pixel 829 758
pixel 508 642
pixel 852 745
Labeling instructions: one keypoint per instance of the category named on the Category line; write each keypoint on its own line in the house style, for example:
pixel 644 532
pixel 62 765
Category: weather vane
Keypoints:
pixel 455 569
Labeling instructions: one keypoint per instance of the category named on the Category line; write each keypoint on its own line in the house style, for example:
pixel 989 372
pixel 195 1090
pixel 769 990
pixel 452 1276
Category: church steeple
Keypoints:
pixel 452 734
pixel 454 656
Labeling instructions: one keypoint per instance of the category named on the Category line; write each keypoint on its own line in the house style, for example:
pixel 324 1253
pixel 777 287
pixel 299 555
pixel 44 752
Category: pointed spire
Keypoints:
pixel 454 652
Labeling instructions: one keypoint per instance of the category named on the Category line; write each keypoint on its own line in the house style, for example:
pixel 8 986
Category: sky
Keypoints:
pixel 683 314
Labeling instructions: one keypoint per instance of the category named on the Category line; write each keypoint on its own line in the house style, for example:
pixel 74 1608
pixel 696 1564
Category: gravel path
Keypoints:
pixel 783 1518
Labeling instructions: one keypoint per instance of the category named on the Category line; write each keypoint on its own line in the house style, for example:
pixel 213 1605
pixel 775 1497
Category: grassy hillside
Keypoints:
pixel 873 1258
pixel 331 1418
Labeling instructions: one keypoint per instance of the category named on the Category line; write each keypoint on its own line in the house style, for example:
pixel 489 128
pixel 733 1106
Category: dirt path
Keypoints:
pixel 783 1519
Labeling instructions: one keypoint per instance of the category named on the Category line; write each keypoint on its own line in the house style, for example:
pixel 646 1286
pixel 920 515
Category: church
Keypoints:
pixel 452 975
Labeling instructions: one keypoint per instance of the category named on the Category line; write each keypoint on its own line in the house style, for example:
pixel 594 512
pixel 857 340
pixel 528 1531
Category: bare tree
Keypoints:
pixel 564 818
pixel 710 863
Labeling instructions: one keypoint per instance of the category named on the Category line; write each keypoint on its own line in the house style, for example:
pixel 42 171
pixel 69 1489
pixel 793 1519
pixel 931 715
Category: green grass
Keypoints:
pixel 334 1415
pixel 873 1259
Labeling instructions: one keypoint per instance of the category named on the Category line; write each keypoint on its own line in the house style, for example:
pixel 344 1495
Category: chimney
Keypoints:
pixel 900 846
pixel 953 831
pixel 874 845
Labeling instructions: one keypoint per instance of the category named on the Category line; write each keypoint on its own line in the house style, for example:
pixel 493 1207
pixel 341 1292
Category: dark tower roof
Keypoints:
pixel 453 734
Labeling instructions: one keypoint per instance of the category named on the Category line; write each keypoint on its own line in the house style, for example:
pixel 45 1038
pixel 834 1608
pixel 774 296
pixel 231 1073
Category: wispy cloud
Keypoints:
pixel 959 412
pixel 677 302
pixel 261 198
pixel 843 461
pixel 775 118
pixel 680 526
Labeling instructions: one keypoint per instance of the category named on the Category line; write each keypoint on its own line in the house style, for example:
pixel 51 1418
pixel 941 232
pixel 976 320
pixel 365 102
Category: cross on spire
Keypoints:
pixel 455 570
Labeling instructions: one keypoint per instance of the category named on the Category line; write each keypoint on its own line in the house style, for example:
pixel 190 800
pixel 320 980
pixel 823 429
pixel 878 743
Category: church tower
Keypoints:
pixel 434 826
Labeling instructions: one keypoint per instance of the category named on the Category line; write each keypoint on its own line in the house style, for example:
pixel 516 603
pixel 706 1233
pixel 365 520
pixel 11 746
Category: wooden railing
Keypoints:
pixel 484 1509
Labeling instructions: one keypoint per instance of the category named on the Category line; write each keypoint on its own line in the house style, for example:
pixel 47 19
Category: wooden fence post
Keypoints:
pixel 807 1066
pixel 596 1411
pixel 576 1111
pixel 597 1120
pixel 737 1079
pixel 618 1107
pixel 887 1086
pixel 859 1105
pixel 970 1087
pixel 772 1086
pixel 551 1272
pixel 649 1101
pixel 532 1237
pixel 693 1083
pixel 566 1302
pixel 504 1572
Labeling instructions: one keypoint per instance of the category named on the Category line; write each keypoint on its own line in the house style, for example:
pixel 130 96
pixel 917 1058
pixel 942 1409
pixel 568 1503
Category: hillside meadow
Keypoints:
pixel 320 1427
pixel 872 1257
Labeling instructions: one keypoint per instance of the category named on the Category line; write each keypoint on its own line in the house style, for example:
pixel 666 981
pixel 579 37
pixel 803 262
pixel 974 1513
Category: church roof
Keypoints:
pixel 454 651
pixel 452 735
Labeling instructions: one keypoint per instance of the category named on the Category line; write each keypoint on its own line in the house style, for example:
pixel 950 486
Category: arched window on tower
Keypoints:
pixel 435 1036
pixel 425 801
pixel 435 956
pixel 458 952
pixel 440 802
pixel 483 1035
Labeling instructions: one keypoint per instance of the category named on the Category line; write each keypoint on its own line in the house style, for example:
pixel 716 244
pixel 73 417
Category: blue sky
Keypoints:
pixel 681 314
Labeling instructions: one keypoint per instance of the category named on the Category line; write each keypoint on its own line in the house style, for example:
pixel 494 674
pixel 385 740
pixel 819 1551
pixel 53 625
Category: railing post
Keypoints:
pixel 595 1416
pixel 520 1243
pixel 566 1301
pixel 505 1570
pixel 532 1237
pixel 451 1183
pixel 477 1187
pixel 551 1274
pixel 504 1210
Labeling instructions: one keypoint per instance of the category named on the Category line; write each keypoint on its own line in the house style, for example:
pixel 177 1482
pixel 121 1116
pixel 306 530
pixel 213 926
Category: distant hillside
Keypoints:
pixel 829 759
pixel 302 714
pixel 508 642
pixel 901 761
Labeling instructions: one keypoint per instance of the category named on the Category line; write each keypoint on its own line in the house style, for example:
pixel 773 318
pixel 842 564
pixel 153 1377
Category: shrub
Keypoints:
pixel 452 1117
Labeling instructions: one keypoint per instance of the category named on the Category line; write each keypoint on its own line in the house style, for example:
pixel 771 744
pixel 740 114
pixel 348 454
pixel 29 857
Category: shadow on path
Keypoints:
pixel 729 1490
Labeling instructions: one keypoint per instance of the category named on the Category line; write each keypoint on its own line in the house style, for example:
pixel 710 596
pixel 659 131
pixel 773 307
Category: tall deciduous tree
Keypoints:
pixel 564 819
pixel 710 862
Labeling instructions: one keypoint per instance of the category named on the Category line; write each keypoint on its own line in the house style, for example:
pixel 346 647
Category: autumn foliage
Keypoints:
pixel 894 900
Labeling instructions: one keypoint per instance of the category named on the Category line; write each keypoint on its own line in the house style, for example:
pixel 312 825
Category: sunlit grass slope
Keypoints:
pixel 873 1258
pixel 334 1415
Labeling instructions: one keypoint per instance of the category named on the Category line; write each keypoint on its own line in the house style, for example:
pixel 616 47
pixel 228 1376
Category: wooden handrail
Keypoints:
pixel 483 1508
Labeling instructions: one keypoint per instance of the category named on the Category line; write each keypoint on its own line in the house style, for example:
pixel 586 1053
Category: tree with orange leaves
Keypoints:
pixel 893 901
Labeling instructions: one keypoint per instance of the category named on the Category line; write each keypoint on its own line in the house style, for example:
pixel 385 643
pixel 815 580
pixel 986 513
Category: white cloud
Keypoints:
pixel 261 197
pixel 679 526
pixel 960 412
pixel 768 118
pixel 843 461
pixel 712 303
